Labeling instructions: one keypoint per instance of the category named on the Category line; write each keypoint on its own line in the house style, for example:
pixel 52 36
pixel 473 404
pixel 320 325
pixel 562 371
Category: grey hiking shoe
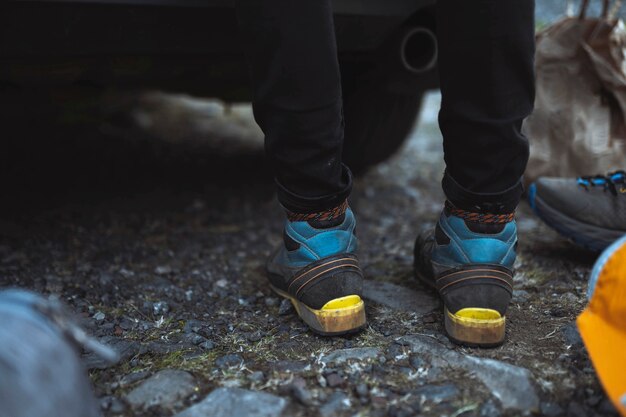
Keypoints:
pixel 591 211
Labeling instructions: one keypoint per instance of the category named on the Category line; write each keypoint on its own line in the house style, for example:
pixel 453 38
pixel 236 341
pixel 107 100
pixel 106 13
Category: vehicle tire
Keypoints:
pixel 377 124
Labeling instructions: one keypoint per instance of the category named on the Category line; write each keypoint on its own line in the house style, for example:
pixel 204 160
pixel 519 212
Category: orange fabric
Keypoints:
pixel 603 328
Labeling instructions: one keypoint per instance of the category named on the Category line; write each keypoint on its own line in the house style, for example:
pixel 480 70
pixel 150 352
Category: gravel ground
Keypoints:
pixel 153 223
pixel 152 215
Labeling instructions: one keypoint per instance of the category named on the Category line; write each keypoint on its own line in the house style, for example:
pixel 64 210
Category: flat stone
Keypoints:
pixel 436 393
pixel 510 384
pixel 133 377
pixel 337 402
pixel 343 355
pixel 400 298
pixel 124 348
pixel 236 402
pixel 289 366
pixel 164 389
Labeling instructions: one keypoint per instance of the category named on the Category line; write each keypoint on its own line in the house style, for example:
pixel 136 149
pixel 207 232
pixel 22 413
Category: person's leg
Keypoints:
pixel 297 103
pixel 486 50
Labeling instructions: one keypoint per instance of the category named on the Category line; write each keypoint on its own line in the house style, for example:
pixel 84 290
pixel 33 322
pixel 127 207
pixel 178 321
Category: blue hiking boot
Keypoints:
pixel 469 261
pixel 317 270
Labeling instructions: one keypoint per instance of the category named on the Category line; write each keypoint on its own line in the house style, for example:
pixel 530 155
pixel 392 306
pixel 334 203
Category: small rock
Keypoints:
pixel 160 307
pixel 572 336
pixel 228 361
pixel 297 389
pixel 489 409
pixel 334 380
pixel 236 402
pixel 99 316
pixel 271 301
pixel 344 355
pixel 362 390
pixel 511 385
pixel 207 345
pixel 112 404
pixel 399 298
pixel 163 270
pixel 192 326
pixel 575 410
pixel 337 402
pixel 551 410
pixel 520 296
pixel 254 336
pixel 163 389
pixel 257 377
pixel 285 308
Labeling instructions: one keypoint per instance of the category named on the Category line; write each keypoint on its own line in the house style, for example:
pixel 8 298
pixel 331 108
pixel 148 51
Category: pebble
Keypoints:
pixel 164 389
pixel 192 326
pixel 163 270
pixel 112 404
pixel 207 345
pixel 334 380
pixel 285 308
pixel 271 301
pixel 520 296
pixel 489 409
pixel 228 361
pixel 99 316
pixel 551 409
pixel 257 377
pixel 236 402
pixel 362 390
pixel 160 308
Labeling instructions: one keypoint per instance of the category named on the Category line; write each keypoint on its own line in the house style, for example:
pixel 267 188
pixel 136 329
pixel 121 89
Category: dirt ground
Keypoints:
pixel 153 222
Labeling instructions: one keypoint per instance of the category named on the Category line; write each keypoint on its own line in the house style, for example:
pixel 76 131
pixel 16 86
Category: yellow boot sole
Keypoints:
pixel 337 317
pixel 476 327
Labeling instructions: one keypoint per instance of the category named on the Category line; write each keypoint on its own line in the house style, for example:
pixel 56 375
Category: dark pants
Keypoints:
pixel 486 50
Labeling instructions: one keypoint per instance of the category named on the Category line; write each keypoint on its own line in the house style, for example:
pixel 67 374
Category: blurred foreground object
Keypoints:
pixel 591 210
pixel 603 324
pixel 40 370
pixel 579 118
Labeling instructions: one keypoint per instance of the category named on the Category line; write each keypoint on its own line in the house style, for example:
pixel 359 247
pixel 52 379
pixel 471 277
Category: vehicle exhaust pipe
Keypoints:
pixel 418 50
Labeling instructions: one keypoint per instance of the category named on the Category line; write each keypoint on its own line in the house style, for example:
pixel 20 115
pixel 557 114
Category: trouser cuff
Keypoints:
pixel 495 203
pixel 299 204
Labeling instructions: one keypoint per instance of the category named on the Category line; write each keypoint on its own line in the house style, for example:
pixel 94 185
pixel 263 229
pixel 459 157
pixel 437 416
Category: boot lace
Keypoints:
pixel 609 182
